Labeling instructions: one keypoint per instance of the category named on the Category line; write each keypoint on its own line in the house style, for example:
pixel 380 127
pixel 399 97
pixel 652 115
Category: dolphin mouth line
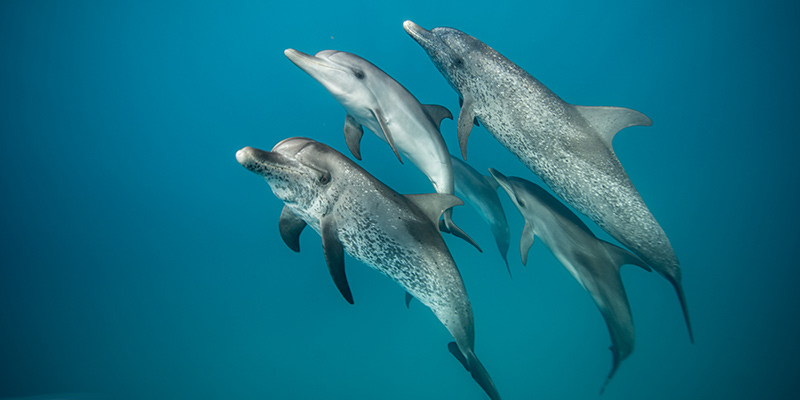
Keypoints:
pixel 501 179
pixel 296 56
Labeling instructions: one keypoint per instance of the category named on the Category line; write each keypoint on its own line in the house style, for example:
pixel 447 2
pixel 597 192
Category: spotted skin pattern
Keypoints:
pixel 375 225
pixel 555 140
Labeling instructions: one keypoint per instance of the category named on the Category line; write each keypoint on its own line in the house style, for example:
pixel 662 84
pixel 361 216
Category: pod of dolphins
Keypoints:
pixel 567 146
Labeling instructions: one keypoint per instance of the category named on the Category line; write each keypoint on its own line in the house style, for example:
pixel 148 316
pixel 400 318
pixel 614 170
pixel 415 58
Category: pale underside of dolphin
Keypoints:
pixel 567 146
pixel 594 263
pixel 355 213
pixel 373 99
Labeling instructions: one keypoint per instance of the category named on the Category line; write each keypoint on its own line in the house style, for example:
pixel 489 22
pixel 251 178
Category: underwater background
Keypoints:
pixel 139 260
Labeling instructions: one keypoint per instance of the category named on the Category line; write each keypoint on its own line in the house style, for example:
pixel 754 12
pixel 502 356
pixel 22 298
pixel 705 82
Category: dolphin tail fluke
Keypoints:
pixel 475 368
pixel 456 352
pixel 505 259
pixel 453 229
pixel 481 376
pixel 675 281
pixel 616 361
pixel 610 375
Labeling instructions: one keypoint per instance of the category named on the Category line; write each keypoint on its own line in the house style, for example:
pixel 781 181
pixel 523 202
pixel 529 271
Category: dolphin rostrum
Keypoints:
pixel 375 100
pixel 480 191
pixel 567 146
pixel 594 263
pixel 355 213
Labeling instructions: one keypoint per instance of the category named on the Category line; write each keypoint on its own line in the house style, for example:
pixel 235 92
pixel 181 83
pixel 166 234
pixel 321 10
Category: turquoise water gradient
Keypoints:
pixel 139 260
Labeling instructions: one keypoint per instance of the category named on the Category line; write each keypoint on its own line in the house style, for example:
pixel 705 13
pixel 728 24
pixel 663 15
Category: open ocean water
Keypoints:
pixel 139 260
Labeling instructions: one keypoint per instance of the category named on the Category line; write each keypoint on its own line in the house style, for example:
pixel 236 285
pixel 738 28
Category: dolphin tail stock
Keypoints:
pixel 470 361
pixel 454 230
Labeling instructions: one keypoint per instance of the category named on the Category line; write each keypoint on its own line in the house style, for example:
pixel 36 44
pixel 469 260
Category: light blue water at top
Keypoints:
pixel 139 260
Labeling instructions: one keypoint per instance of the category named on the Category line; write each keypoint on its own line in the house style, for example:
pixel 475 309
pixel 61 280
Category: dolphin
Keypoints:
pixel 594 263
pixel 480 191
pixel 355 213
pixel 567 146
pixel 375 100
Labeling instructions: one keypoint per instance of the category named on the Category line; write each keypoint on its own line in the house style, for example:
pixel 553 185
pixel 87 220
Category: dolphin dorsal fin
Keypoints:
pixel 437 113
pixel 622 257
pixel 434 204
pixel 610 120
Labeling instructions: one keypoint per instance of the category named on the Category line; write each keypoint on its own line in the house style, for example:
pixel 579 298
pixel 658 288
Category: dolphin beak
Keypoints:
pixel 257 160
pixel 502 180
pixel 296 56
pixel 417 32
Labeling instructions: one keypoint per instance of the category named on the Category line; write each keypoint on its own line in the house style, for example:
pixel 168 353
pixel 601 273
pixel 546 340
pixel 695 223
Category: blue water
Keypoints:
pixel 141 261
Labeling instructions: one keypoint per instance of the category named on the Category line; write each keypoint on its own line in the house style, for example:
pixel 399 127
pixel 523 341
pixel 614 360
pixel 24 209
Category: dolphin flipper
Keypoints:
pixel 466 118
pixel 353 131
pixel 409 297
pixel 290 226
pixel 386 132
pixel 334 256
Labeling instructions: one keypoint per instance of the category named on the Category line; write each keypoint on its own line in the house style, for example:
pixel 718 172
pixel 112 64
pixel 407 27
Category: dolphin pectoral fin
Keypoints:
pixel 334 256
pixel 386 133
pixel 526 241
pixel 610 120
pixel 434 204
pixel 456 352
pixel 437 113
pixel 290 226
pixel 453 229
pixel 353 131
pixel 409 297
pixel 466 117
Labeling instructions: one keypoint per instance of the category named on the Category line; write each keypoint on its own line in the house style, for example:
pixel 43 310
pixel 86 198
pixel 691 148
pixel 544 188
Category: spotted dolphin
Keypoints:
pixel 355 213
pixel 567 146
pixel 375 100
pixel 594 263
pixel 480 192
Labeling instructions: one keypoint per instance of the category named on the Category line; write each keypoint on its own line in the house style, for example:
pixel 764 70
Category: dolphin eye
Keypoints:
pixel 324 179
pixel 358 73
pixel 458 61
pixel 521 202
